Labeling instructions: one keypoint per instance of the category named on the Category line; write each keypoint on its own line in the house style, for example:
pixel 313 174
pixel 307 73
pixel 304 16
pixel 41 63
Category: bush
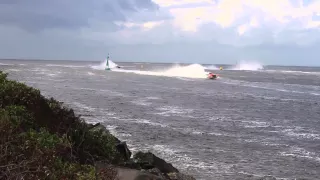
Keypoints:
pixel 39 138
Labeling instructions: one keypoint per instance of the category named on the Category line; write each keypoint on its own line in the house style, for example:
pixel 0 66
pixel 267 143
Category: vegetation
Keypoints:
pixel 42 139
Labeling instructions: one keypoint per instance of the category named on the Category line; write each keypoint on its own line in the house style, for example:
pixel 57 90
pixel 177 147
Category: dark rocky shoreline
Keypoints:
pixel 143 165
pixel 42 139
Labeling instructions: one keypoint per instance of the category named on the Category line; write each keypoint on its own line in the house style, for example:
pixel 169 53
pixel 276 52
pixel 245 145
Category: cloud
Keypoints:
pixel 88 29
pixel 243 15
pixel 235 22
pixel 39 15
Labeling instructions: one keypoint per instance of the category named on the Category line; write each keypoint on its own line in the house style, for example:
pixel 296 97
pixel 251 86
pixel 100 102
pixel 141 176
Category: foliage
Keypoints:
pixel 42 139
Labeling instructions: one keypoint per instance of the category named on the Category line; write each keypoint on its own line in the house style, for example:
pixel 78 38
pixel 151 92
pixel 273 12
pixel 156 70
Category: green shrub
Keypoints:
pixel 94 145
pixel 37 154
pixel 40 138
pixel 3 77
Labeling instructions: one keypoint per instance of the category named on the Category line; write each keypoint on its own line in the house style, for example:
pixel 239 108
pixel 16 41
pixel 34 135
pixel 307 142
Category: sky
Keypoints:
pixel 280 32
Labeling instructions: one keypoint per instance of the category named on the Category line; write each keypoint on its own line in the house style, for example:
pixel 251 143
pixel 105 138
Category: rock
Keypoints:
pixel 91 126
pixel 153 167
pixel 110 172
pixel 180 176
pixel 105 171
pixel 132 174
pixel 124 150
pixel 157 172
pixel 149 161
pixel 121 147
pixel 131 164
pixel 98 127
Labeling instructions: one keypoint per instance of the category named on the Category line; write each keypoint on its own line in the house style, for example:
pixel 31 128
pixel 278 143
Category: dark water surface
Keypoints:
pixel 244 125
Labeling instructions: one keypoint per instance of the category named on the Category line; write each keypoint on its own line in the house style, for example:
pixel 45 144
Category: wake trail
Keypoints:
pixel 241 66
pixel 188 71
pixel 247 66
pixel 102 65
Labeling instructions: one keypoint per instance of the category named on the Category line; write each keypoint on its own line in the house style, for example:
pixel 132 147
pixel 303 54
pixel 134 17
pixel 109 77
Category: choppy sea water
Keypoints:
pixel 247 124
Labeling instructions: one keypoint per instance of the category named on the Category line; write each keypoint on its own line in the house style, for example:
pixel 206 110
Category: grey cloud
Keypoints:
pixel 62 45
pixel 52 44
pixel 137 4
pixel 215 53
pixel 38 14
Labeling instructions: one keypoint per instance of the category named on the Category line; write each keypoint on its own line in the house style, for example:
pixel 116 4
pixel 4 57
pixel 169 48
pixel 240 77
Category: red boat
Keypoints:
pixel 212 76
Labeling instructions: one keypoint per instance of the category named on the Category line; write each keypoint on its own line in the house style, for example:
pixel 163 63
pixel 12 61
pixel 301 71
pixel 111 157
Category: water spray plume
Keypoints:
pixel 247 65
pixel 189 71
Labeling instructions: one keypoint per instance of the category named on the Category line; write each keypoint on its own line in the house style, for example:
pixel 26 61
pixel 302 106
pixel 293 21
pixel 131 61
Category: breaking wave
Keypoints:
pixel 246 65
pixel 188 71
pixel 242 65
pixel 212 67
pixel 64 65
pixel 103 65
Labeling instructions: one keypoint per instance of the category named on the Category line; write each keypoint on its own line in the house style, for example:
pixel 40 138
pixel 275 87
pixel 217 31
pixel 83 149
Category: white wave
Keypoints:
pixel 141 102
pixel 216 134
pixel 272 86
pixel 124 135
pixel 128 66
pixel 91 73
pixel 92 120
pixel 144 121
pixel 212 67
pixel 103 65
pixel 188 71
pixel 56 80
pixel 119 135
pixel 246 65
pixel 141 63
pixel 112 93
pixel 254 124
pixel 14 70
pixel 297 133
pixel 193 131
pixel 144 101
pixel 39 70
pixel 48 73
pixel 152 98
pixel 4 64
pixel 111 128
pixel 179 158
pixel 172 110
pixel 84 107
pixel 61 65
pixel 51 74
pixel 301 153
pixel 293 72
pixel 102 91
pixel 184 79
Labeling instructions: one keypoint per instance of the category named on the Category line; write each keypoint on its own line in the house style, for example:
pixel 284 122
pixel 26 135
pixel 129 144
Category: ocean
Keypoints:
pixel 251 122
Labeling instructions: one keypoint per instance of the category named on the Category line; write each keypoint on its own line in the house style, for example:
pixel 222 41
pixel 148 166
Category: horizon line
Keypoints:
pixel 73 60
